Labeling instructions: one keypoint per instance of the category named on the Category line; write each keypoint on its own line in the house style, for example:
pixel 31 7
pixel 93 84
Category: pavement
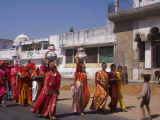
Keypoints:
pixel 64 109
pixel 16 112
pixel 131 102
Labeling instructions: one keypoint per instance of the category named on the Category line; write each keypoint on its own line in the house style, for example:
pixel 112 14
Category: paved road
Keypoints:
pixel 16 112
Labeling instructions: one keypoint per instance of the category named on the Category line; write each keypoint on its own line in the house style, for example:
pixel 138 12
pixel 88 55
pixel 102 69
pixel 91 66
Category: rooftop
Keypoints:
pixel 135 13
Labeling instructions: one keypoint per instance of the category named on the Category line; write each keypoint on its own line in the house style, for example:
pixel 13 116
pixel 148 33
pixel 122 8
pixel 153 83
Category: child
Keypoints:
pixel 145 98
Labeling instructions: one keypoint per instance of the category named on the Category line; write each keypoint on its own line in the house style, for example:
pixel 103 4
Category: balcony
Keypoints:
pixel 132 14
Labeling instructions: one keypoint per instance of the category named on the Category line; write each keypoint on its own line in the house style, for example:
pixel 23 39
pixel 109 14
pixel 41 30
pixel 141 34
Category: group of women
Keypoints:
pixel 44 98
pixel 107 84
pixel 21 80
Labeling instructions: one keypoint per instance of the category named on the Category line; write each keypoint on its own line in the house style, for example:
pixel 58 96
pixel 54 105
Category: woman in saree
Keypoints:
pixel 7 70
pixel 45 104
pixel 34 76
pixel 3 94
pixel 81 93
pixel 101 92
pixel 120 84
pixel 113 82
pixel 25 96
pixel 42 70
pixel 14 82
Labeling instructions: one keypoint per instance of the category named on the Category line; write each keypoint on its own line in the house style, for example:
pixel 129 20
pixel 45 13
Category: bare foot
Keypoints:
pixel 82 114
pixel 53 118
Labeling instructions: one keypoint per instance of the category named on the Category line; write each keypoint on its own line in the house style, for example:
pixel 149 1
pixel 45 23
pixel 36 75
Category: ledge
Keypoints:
pixel 96 44
pixel 135 13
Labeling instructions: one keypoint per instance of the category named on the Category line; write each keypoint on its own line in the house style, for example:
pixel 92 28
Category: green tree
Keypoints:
pixel 71 29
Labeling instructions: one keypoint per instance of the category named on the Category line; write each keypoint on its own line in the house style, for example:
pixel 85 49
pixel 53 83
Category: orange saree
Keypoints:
pixel 101 92
pixel 81 93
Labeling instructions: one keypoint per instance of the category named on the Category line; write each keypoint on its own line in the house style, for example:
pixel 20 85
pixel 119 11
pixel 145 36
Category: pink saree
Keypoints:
pixel 14 83
pixel 2 83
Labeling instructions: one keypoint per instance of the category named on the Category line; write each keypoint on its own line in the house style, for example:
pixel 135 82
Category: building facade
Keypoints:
pixel 131 38
pixel 137 37
pixel 97 42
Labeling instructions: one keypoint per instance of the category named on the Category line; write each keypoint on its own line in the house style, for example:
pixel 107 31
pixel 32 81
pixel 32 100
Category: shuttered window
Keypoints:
pixel 69 53
pixel 106 54
pixel 91 54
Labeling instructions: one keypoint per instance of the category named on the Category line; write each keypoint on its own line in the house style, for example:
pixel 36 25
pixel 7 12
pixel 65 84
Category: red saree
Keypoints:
pixel 42 71
pixel 14 82
pixel 2 83
pixel 113 80
pixel 46 102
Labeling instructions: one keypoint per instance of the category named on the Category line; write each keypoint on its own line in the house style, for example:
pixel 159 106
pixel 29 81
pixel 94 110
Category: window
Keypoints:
pixel 106 54
pixel 69 54
pixel 37 46
pixel 155 56
pixel 91 54
pixel 30 47
pixel 45 45
pixel 142 51
pixel 24 47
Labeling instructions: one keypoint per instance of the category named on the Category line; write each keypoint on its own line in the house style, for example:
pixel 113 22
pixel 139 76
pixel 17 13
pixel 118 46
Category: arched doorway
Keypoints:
pixel 154 37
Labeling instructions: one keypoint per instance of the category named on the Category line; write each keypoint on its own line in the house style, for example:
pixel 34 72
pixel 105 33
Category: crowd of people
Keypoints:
pixel 30 85
pixel 40 87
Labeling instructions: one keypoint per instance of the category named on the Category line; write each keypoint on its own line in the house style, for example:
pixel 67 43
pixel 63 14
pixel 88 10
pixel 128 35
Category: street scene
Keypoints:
pixel 64 108
pixel 84 60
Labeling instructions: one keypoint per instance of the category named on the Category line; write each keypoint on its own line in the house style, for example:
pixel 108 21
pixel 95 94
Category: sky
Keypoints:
pixel 41 18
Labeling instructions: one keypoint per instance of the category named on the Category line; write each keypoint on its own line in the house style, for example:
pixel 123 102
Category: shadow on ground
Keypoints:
pixel 154 116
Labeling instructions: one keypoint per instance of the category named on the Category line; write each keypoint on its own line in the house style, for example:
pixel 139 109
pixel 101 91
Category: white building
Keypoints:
pixel 98 44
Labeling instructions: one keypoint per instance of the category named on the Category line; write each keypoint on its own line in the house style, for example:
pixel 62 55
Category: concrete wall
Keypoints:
pixel 126 46
pixel 144 2
pixel 124 37
pixel 92 36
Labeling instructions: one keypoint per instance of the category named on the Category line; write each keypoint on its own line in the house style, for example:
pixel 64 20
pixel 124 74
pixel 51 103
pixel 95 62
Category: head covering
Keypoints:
pixel 31 66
